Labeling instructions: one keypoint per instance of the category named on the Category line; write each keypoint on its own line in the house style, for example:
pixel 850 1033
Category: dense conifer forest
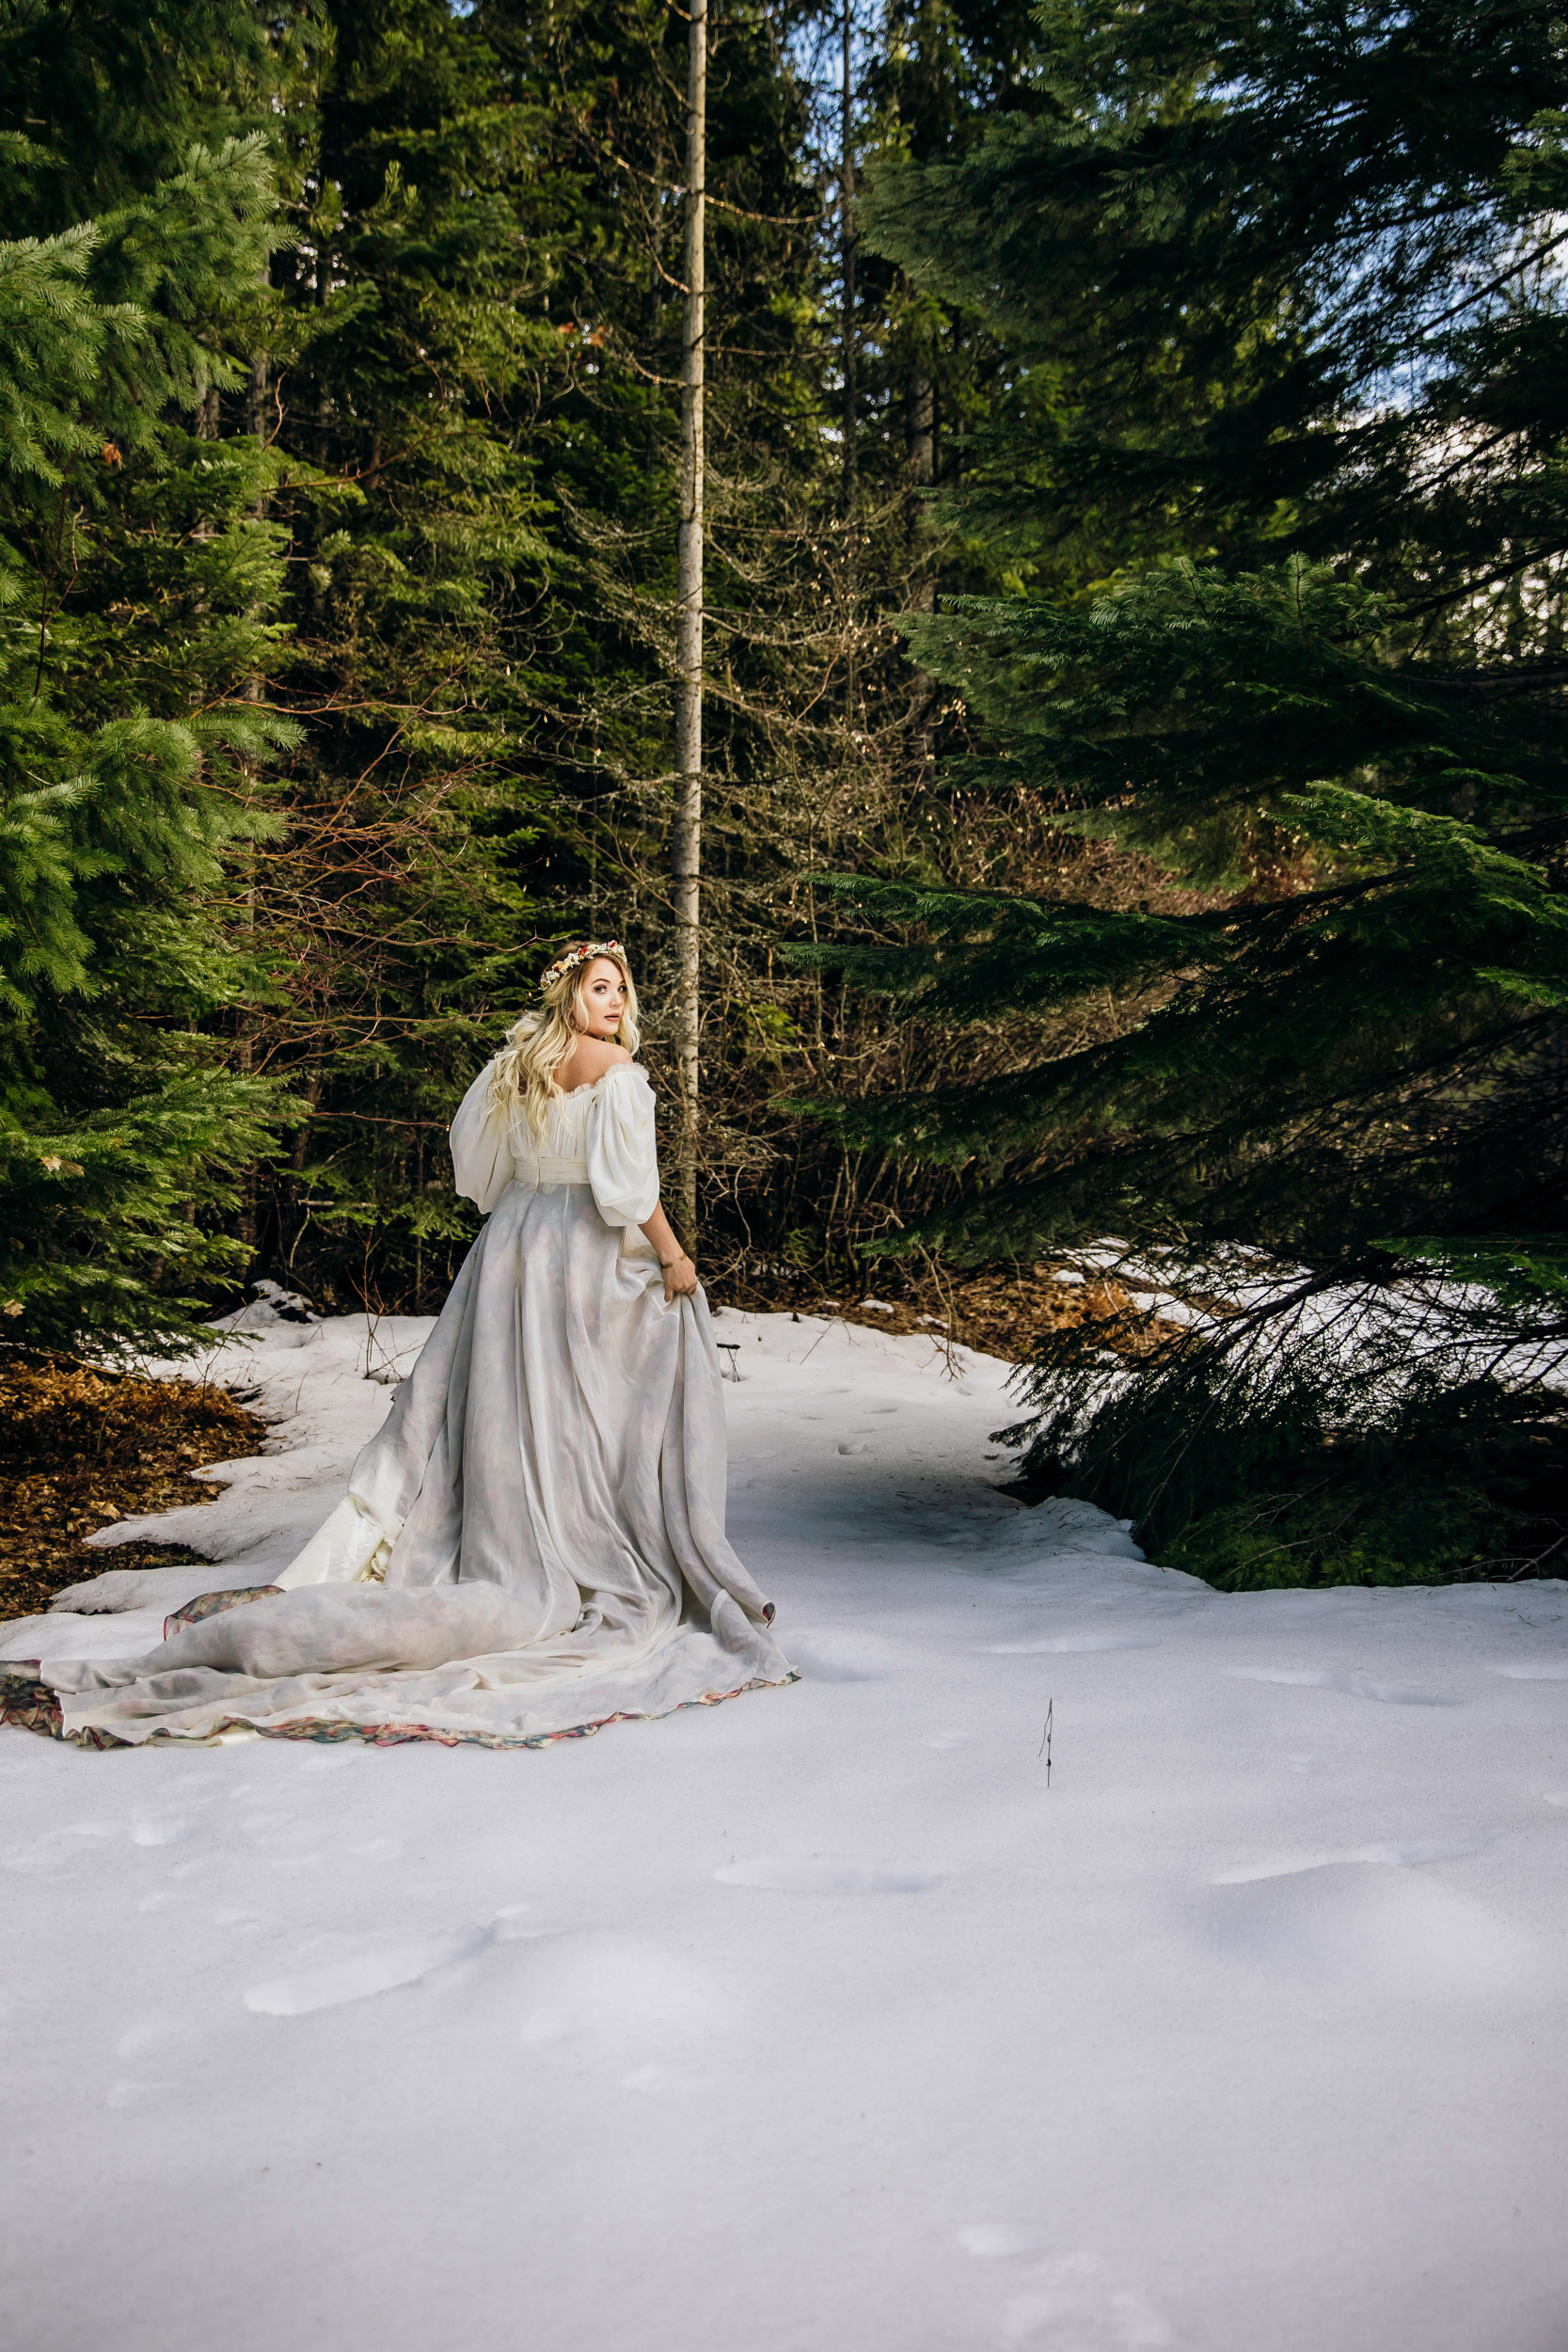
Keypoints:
pixel 1134 810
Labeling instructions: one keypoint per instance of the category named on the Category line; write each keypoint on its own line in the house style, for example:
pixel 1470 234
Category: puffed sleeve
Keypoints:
pixel 622 1157
pixel 481 1153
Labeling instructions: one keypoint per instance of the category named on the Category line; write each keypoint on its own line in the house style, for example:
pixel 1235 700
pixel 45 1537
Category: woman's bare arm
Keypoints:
pixel 680 1274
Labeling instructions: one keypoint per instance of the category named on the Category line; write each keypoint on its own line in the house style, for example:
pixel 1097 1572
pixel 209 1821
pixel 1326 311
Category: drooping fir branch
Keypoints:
pixel 1292 1041
pixel 991 957
pixel 1415 950
pixel 1182 711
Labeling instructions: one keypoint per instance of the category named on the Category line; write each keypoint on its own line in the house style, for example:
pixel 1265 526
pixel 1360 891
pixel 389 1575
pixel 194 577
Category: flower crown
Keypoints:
pixel 574 956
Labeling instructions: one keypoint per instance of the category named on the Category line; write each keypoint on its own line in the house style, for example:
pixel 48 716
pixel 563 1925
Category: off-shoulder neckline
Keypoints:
pixel 568 1094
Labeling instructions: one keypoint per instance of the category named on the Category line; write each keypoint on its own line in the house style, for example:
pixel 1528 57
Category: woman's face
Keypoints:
pixel 601 998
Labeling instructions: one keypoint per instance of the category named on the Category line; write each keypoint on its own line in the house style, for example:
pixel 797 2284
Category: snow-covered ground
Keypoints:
pixel 816 2022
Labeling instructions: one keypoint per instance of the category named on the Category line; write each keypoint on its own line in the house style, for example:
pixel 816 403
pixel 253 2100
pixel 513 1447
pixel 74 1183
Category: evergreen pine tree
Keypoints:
pixel 137 586
pixel 1279 282
pixel 407 336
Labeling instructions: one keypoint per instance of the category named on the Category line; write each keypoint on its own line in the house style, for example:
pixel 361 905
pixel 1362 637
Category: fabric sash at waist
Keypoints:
pixel 532 1174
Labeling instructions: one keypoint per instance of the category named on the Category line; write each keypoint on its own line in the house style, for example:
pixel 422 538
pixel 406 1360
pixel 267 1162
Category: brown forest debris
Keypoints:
pixel 80 1449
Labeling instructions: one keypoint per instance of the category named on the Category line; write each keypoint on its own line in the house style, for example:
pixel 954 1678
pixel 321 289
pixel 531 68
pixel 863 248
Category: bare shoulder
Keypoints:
pixel 591 1059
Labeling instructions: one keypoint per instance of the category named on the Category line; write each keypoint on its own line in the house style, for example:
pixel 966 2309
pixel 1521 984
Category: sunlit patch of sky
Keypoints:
pixel 1493 260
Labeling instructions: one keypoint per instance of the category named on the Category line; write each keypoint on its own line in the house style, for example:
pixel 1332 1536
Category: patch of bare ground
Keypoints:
pixel 80 1449
pixel 1003 1310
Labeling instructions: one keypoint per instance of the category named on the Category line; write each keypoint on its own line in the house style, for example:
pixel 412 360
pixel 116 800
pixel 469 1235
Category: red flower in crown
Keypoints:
pixel 574 956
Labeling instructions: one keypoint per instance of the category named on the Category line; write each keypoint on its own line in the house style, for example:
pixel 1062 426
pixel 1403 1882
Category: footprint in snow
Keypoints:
pixel 1065 2302
pixel 1064 2310
pixel 1355 1686
pixel 1367 1927
pixel 595 2001
pixel 133 2090
pixel 592 2001
pixel 814 1875
pixel 1393 1856
pixel 57 1848
pixel 142 2041
pixel 382 1969
pixel 289 1840
pixel 656 2079
pixel 1067 1645
pixel 152 2034
pixel 163 1829
pixel 999 2241
pixel 836 1657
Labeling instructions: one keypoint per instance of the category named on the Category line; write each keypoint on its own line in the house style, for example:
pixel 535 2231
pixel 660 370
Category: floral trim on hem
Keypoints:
pixel 28 1702
pixel 207 1605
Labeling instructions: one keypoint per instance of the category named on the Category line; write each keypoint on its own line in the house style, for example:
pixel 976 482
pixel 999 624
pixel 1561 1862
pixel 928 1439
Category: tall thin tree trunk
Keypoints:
pixel 921 440
pixel 256 418
pixel 849 478
pixel 921 433
pixel 687 846
pixel 846 257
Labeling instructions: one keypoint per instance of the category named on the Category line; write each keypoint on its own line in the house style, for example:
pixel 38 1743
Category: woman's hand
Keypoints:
pixel 680 1279
pixel 680 1274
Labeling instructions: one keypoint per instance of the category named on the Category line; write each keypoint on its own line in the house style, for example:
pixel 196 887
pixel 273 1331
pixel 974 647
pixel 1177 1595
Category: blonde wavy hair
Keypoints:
pixel 542 1040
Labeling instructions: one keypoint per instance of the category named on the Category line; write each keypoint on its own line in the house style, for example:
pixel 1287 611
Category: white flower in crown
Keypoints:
pixel 575 956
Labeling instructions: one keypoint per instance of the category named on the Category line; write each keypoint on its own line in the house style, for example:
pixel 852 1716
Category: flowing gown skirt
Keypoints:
pixel 531 1546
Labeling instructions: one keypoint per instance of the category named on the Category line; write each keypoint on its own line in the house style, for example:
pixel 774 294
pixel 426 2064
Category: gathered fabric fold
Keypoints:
pixel 533 1542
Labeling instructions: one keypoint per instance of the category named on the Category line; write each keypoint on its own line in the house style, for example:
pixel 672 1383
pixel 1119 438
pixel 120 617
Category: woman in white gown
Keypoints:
pixel 533 1542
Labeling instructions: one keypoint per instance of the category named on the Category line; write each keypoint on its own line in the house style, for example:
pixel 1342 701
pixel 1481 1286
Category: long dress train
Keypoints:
pixel 533 1542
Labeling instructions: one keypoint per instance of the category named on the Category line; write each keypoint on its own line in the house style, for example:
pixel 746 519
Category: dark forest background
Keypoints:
pixel 1136 800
